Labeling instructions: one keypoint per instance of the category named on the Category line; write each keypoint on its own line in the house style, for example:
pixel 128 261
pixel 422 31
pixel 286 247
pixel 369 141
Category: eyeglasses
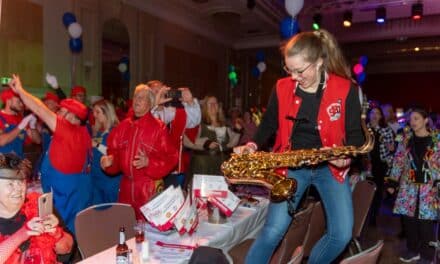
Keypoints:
pixel 296 72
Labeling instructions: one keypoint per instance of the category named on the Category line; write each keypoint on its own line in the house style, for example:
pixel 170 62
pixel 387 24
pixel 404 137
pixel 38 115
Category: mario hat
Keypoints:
pixel 77 89
pixel 51 96
pixel 75 107
pixel 7 94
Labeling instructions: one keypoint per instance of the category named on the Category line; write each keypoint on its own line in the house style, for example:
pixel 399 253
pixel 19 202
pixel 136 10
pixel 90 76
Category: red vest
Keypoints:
pixel 331 115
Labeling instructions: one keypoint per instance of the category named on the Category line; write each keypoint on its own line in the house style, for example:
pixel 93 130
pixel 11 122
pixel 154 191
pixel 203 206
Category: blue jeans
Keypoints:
pixel 337 201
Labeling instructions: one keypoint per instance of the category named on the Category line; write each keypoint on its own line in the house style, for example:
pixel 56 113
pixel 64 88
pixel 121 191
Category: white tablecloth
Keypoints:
pixel 244 223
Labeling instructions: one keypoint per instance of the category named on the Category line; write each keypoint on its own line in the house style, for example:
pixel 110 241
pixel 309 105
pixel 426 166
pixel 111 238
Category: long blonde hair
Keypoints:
pixel 318 44
pixel 108 110
pixel 205 115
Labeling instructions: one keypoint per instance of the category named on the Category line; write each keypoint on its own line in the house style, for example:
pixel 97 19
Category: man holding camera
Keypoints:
pixel 181 112
pixel 170 101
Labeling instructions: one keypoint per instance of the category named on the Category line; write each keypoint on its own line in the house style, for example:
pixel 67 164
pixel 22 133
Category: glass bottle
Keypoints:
pixel 122 248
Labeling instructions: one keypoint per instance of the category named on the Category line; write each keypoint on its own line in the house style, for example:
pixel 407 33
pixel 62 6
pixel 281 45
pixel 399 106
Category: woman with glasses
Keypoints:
pixel 316 106
pixel 21 229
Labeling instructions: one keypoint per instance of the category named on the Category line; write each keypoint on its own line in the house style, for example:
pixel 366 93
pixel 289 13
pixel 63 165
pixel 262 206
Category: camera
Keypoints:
pixel 174 94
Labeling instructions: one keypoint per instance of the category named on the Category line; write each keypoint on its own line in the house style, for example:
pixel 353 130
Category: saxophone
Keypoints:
pixel 259 168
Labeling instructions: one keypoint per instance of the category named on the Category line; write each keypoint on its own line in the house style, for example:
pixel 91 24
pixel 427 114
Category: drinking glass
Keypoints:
pixel 32 256
pixel 139 229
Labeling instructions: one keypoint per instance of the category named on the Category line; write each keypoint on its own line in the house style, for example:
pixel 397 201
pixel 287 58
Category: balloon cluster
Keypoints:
pixel 123 68
pixel 359 69
pixel 75 32
pixel 232 76
pixel 289 26
pixel 261 65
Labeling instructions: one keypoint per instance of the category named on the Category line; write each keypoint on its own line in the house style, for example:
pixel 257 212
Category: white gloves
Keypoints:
pixel 52 81
pixel 29 119
pixel 33 122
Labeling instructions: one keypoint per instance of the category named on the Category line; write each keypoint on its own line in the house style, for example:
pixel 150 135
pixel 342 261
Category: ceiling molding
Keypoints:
pixel 176 16
pixel 258 42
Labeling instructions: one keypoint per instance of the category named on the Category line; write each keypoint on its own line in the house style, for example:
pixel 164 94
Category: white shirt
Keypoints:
pixel 168 113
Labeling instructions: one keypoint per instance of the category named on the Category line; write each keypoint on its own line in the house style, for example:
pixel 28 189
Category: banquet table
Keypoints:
pixel 173 248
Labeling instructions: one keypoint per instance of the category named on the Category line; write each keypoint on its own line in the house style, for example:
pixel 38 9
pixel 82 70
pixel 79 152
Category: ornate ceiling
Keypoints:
pixel 232 23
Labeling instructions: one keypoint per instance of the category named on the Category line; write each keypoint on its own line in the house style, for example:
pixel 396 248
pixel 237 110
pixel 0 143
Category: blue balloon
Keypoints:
pixel 68 18
pixel 288 27
pixel 231 68
pixel 255 72
pixel 363 60
pixel 125 60
pixel 126 76
pixel 75 45
pixel 260 56
pixel 361 77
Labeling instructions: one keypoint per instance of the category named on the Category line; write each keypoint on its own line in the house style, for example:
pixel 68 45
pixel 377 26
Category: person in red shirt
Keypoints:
pixel 140 147
pixel 66 165
pixel 15 130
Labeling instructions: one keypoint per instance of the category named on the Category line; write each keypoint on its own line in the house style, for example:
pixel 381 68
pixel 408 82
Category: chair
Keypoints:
pixel 368 256
pixel 297 256
pixel 293 239
pixel 97 226
pixel 317 230
pixel 363 194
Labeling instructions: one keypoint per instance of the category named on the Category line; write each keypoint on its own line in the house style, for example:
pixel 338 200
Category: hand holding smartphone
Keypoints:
pixel 45 204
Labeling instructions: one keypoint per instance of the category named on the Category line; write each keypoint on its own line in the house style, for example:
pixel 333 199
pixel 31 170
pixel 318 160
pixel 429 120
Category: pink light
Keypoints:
pixel 358 69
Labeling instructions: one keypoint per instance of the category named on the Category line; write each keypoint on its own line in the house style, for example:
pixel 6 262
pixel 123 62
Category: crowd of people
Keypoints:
pixel 99 154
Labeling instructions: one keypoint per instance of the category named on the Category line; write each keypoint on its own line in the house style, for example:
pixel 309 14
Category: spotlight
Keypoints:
pixel 381 15
pixel 417 11
pixel 348 16
pixel 317 18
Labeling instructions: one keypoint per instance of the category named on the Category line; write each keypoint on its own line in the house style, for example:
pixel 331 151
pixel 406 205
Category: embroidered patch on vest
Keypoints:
pixel 334 111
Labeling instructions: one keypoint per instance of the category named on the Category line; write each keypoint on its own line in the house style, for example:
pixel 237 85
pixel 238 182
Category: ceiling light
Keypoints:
pixel 381 15
pixel 317 18
pixel 348 16
pixel 417 11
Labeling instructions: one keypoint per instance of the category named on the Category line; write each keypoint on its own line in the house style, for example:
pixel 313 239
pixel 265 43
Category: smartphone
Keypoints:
pixel 45 204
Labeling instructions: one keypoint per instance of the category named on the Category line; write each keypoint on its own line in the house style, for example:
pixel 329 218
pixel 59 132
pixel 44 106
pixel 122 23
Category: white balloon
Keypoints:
pixel 75 30
pixel 122 67
pixel 261 66
pixel 294 6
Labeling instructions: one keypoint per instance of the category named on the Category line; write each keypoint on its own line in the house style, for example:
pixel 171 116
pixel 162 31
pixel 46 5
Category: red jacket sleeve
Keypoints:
pixel 112 149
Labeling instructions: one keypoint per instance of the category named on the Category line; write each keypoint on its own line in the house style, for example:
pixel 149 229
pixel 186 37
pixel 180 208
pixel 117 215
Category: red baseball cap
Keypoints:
pixel 7 94
pixel 51 96
pixel 75 107
pixel 77 89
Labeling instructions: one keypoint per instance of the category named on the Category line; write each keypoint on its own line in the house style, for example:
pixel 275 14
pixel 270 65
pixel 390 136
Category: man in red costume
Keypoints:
pixel 65 166
pixel 15 131
pixel 140 147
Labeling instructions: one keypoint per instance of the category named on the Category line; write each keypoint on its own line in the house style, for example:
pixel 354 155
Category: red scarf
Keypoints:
pixel 45 242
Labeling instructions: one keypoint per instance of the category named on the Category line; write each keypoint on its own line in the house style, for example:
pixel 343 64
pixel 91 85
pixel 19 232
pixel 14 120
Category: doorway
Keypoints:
pixel 115 50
